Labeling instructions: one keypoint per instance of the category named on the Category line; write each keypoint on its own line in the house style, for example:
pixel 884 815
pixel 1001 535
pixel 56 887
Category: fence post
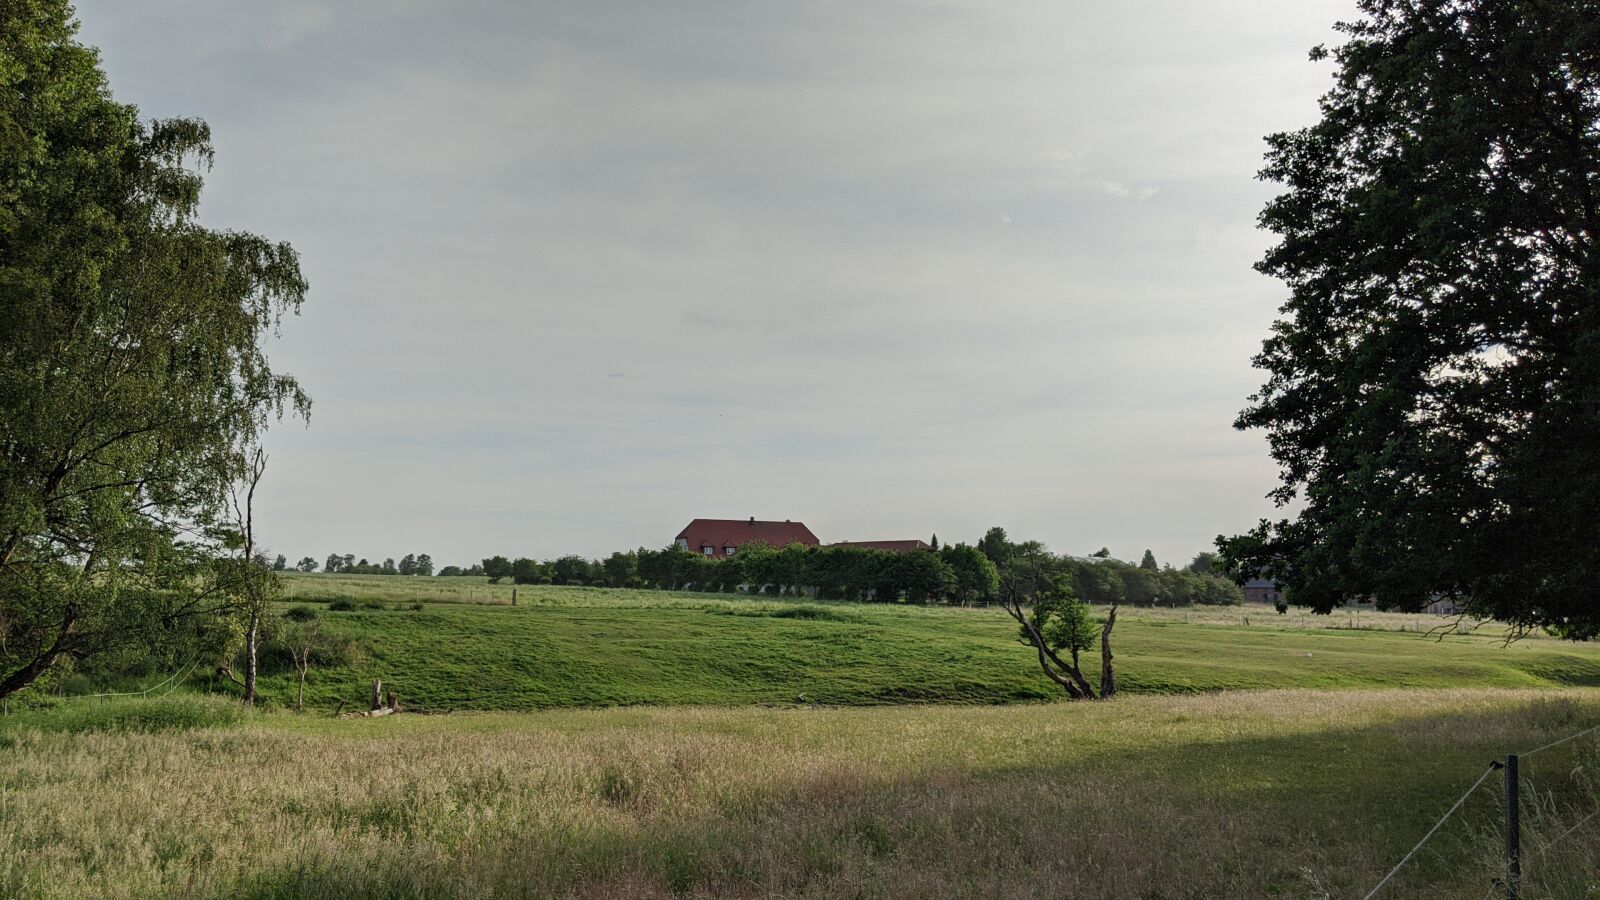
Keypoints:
pixel 1513 831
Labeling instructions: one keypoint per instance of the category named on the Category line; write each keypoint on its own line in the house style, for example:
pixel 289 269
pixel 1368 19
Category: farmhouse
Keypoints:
pixel 723 537
pixel 895 546
pixel 1262 590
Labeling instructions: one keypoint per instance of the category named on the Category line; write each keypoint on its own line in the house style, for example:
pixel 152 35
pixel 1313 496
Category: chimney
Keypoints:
pixel 752 520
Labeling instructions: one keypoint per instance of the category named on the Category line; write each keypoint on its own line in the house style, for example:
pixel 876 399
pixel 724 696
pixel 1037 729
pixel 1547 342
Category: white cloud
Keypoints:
pixel 583 271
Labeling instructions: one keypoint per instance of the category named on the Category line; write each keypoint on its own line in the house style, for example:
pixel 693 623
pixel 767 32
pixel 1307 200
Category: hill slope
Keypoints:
pixel 565 647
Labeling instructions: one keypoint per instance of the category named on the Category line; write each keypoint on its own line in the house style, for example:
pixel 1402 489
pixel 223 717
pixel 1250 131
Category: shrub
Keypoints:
pixel 810 612
pixel 416 607
pixel 370 604
pixel 300 613
pixel 342 605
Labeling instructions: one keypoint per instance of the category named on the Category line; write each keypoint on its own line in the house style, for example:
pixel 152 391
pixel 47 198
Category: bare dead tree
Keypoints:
pixel 254 581
pixel 302 642
pixel 1108 673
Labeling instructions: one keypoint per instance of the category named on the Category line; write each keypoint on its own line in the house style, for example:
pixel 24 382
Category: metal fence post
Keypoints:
pixel 1513 831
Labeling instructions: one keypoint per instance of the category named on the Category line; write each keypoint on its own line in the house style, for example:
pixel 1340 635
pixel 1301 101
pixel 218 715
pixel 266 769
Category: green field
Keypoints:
pixel 1226 795
pixel 789 748
pixel 564 647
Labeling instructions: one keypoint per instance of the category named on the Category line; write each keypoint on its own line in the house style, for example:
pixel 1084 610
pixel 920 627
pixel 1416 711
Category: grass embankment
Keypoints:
pixel 318 588
pixel 1238 795
pixel 563 647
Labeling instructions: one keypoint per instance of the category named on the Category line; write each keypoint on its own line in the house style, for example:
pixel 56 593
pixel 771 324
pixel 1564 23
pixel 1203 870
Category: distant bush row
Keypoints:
pixel 955 573
pixel 347 564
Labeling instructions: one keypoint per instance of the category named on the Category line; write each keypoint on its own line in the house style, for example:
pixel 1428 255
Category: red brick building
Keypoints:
pixel 723 537
pixel 896 546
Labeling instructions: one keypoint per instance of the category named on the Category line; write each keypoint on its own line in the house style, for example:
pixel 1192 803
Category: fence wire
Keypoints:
pixel 1431 831
pixel 1493 767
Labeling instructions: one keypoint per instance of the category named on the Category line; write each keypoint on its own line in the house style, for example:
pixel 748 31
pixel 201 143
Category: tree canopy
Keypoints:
pixel 132 375
pixel 1433 383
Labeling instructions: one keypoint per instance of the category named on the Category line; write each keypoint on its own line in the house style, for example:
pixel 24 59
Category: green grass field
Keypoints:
pixel 564 647
pixel 607 743
pixel 1227 795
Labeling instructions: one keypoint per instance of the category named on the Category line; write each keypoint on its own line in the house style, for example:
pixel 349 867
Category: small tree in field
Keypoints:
pixel 303 640
pixel 306 564
pixel 1054 621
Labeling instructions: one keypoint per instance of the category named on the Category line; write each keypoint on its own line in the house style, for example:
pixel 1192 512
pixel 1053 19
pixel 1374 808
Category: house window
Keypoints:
pixel 708 550
pixel 683 543
pixel 728 550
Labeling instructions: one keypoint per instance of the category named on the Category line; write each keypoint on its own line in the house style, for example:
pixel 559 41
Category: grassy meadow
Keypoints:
pixel 565 646
pixel 609 743
pixel 1241 794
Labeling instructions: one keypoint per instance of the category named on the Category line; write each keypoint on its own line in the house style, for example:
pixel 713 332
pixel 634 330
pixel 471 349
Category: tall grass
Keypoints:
pixel 177 712
pixel 1560 812
pixel 1241 795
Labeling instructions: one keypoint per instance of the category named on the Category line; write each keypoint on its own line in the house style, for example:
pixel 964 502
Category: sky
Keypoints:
pixel 581 272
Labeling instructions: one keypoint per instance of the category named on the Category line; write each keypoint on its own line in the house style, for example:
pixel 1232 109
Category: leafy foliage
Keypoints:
pixel 1433 385
pixel 1063 620
pixel 132 378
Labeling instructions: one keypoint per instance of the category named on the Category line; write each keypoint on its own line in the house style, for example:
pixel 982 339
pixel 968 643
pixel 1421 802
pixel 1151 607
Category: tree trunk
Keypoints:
pixel 1108 674
pixel 377 693
pixel 1070 677
pixel 300 691
pixel 25 676
pixel 1071 689
pixel 250 658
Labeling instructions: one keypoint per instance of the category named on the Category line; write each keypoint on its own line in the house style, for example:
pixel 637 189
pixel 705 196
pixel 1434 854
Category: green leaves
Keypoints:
pixel 132 379
pixel 1063 621
pixel 1433 385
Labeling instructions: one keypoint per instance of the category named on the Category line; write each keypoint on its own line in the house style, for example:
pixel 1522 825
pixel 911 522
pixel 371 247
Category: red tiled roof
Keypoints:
pixel 896 546
pixel 720 533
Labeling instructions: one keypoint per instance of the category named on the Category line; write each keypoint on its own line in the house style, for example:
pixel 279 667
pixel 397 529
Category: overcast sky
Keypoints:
pixel 581 272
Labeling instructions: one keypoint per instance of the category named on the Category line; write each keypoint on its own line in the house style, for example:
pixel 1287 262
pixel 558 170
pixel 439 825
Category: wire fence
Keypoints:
pixel 171 683
pixel 1510 883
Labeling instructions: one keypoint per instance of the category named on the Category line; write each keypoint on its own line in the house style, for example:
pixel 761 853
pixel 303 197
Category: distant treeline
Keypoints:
pixel 954 573
pixel 335 564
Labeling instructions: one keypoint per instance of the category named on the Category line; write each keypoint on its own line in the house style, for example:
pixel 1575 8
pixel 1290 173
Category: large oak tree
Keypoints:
pixel 1433 389
pixel 132 379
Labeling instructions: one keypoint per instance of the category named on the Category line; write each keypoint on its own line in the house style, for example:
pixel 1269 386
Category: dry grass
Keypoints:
pixel 1294 793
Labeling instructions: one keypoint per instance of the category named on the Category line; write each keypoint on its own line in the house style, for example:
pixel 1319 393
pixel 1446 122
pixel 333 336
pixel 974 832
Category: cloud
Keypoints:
pixel 583 271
